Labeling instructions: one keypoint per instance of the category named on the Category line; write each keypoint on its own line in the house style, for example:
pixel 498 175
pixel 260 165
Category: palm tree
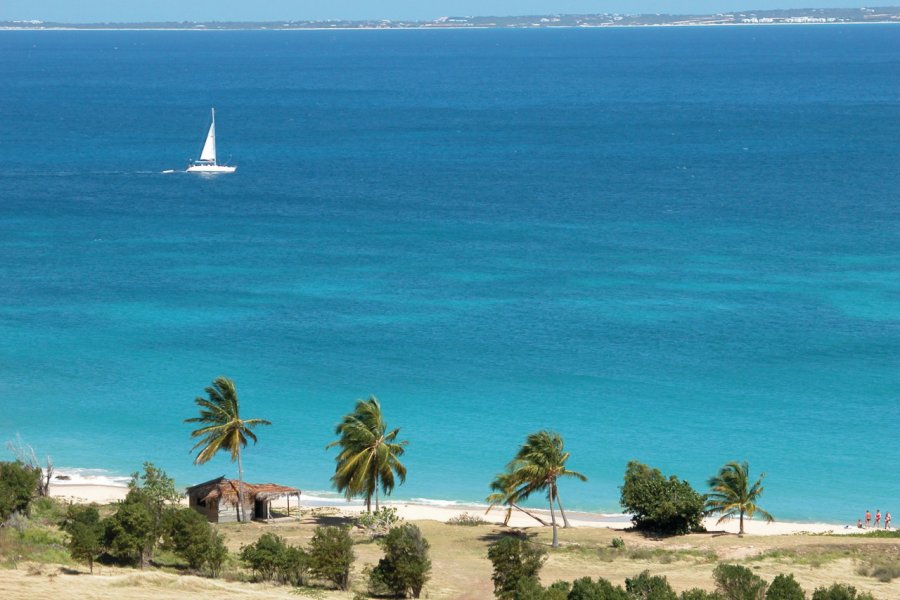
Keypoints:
pixel 733 495
pixel 539 464
pixel 505 493
pixel 369 456
pixel 223 428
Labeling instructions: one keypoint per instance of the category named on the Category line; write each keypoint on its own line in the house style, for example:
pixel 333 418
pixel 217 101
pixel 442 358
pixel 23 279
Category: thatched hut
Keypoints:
pixel 217 499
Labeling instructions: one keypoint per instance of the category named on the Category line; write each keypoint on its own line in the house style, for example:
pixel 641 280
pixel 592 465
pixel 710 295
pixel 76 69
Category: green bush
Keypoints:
pixel 618 543
pixel 659 505
pixel 331 555
pixel 884 570
pixel 839 591
pixel 466 520
pixel 129 535
pixel 530 589
pixel 272 559
pixel 514 559
pixel 190 536
pixel 85 530
pixel 785 587
pixel 698 594
pixel 735 582
pixel 18 485
pixel 650 587
pixel 586 589
pixel 405 567
pixel 378 522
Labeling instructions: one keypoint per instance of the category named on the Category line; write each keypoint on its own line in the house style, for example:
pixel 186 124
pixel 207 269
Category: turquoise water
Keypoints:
pixel 677 245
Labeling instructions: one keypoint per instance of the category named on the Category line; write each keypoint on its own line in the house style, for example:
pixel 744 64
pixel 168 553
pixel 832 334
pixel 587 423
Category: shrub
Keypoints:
pixel 514 559
pixel 85 530
pixel 272 559
pixel 618 543
pixel 735 582
pixel 530 589
pixel 18 484
pixel 331 555
pixel 883 570
pixel 466 520
pixel 667 506
pixel 128 535
pixel 379 522
pixel 405 567
pixel 188 534
pixel 698 594
pixel 155 490
pixel 840 591
pixel 785 587
pixel 586 589
pixel 650 587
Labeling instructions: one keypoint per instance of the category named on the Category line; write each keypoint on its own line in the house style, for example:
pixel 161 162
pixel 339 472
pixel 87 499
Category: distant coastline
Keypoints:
pixel 810 16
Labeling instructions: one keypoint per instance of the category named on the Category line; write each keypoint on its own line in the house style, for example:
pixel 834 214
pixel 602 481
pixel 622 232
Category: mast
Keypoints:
pixel 209 148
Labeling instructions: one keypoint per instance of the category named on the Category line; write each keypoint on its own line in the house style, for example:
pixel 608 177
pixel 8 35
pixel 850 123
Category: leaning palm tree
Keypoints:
pixel 223 428
pixel 369 454
pixel 732 494
pixel 504 492
pixel 537 467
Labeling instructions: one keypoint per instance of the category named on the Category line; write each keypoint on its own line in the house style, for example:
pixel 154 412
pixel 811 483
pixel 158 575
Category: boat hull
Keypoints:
pixel 211 169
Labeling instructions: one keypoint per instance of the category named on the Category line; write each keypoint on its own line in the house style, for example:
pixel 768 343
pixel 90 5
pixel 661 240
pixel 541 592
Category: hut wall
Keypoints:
pixel 228 512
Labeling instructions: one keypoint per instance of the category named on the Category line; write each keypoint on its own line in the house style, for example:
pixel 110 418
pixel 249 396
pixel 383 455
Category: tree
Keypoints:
pixel 190 536
pixel 735 582
pixel 223 429
pixel 537 467
pixel 732 494
pixel 659 505
pixel 85 530
pixel 699 594
pixel 530 589
pixel 369 454
pixel 839 591
pixel 129 534
pixel 505 492
pixel 155 490
pixel 514 559
pixel 785 587
pixel 25 454
pixel 649 587
pixel 331 555
pixel 18 484
pixel 271 558
pixel 587 589
pixel 405 567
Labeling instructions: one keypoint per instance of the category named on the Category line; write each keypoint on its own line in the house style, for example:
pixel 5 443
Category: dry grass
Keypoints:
pixel 462 571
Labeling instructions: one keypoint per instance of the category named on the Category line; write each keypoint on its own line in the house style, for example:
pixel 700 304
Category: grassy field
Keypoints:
pixel 461 569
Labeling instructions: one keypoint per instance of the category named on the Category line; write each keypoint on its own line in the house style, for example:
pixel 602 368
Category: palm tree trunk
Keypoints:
pixel 553 521
pixel 240 510
pixel 376 496
pixel 530 514
pixel 741 532
pixel 561 511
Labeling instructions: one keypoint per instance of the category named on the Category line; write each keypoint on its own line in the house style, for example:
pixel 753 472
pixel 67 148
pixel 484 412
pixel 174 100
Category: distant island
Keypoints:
pixel 889 14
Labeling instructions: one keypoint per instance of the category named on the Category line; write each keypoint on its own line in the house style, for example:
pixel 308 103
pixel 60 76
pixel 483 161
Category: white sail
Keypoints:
pixel 209 148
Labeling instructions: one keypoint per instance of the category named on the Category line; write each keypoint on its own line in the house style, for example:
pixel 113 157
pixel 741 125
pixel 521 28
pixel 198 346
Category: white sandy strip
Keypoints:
pixel 103 494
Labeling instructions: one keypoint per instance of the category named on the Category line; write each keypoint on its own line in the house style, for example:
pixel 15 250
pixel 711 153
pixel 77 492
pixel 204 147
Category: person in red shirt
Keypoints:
pixel 877 518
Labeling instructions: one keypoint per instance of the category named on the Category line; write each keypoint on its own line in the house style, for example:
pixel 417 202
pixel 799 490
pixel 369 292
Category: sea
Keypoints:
pixel 673 245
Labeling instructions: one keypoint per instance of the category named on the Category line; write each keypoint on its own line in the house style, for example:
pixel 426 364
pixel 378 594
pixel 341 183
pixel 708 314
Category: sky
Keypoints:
pixel 84 11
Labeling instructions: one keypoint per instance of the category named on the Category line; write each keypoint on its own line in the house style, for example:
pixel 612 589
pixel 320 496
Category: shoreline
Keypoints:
pixel 86 492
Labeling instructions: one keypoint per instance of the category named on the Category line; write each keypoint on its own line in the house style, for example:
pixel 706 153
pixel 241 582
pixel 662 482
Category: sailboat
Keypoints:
pixel 207 162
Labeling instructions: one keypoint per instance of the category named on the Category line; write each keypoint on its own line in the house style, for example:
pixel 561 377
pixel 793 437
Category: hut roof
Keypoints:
pixel 227 490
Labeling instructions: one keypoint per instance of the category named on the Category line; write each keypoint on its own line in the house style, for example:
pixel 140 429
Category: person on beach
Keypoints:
pixel 887 520
pixel 877 518
pixel 868 519
pixel 859 523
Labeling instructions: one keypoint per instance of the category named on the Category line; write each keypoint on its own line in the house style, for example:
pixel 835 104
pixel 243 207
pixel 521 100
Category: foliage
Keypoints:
pixel 466 520
pixel 514 559
pixel 537 467
pixel 405 567
pixel 129 534
pixel 85 530
pixel 618 543
pixel 649 587
pixel 884 570
pixel 587 589
pixel 735 582
pixel 659 505
pixel 785 587
pixel 530 589
pixel 223 429
pixel 378 522
pixel 272 559
pixel 839 591
pixel 732 494
pixel 331 555
pixel 155 490
pixel 18 484
pixel 698 594
pixel 188 534
pixel 369 454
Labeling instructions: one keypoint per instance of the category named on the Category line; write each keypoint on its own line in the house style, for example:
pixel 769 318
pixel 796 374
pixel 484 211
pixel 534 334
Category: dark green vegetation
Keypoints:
pixel 272 559
pixel 405 567
pixel 331 555
pixel 223 429
pixel 732 494
pixel 369 455
pixel 515 561
pixel 537 467
pixel 660 505
pixel 18 483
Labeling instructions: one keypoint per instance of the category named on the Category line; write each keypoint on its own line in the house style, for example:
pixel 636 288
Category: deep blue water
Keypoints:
pixel 674 245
